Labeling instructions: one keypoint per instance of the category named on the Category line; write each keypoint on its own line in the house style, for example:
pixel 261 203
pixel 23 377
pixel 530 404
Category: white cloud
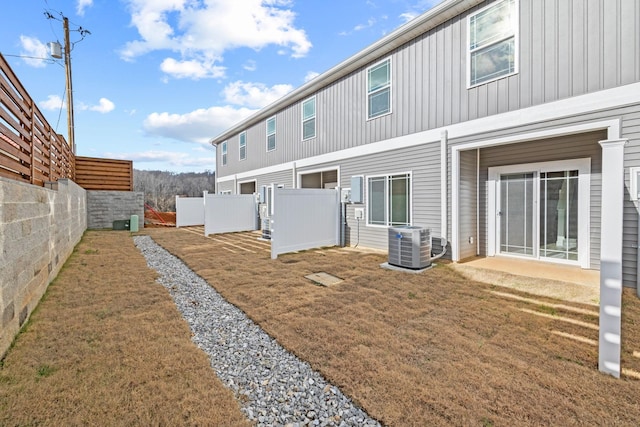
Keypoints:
pixel 408 16
pixel 53 103
pixel 202 31
pixel 104 106
pixel 254 95
pixel 192 69
pixel 82 5
pixel 417 9
pixel 36 50
pixel 171 158
pixel 197 126
pixel 310 76
pixel 250 65
pixel 370 23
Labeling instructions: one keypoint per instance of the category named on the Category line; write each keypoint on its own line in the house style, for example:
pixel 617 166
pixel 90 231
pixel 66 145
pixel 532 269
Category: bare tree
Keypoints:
pixel 160 188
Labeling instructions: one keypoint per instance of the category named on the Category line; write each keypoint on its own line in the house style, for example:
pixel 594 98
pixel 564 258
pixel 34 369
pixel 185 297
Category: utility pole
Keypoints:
pixel 67 65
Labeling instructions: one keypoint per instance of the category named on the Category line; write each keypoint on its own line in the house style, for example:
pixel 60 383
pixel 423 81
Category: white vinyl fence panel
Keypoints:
pixel 189 211
pixel 304 219
pixel 226 213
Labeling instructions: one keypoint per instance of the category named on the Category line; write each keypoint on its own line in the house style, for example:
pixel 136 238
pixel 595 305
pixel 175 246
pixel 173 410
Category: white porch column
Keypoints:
pixel 611 256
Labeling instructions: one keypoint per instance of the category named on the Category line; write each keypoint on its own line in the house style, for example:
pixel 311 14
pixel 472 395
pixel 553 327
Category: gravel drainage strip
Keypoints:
pixel 274 387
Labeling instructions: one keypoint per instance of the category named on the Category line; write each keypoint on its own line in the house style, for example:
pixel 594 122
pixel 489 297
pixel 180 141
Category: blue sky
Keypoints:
pixel 156 79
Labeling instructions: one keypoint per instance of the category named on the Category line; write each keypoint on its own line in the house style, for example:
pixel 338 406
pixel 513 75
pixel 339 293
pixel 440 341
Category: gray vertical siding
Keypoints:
pixel 566 48
pixel 630 130
pixel 468 196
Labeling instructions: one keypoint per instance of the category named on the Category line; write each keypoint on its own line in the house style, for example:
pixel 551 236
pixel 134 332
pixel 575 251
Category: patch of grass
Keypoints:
pixel 452 354
pixel 45 371
pixel 103 313
pixel 134 369
pixel 487 422
pixel 548 310
pixel 566 359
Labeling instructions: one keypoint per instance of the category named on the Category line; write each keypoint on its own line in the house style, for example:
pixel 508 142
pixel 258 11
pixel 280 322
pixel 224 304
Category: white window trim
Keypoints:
pixel 516 41
pixel 225 192
pixel 239 184
pixel 315 125
pixel 366 89
pixel 584 202
pixel 240 146
pixel 367 197
pixel 224 152
pixel 306 172
pixel 275 133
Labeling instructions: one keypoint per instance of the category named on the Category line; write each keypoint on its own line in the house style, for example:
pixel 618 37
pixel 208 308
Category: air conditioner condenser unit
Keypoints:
pixel 410 247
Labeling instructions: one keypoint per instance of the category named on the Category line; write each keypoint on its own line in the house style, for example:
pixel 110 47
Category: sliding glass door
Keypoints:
pixel 559 215
pixel 541 211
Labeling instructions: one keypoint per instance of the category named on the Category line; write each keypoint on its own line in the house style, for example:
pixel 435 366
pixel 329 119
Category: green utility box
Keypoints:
pixel 121 224
pixel 133 225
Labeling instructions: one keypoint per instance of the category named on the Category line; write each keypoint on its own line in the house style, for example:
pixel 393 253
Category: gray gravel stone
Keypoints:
pixel 273 386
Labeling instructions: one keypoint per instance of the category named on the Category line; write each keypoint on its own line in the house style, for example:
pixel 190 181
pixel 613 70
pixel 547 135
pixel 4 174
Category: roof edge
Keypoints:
pixel 430 19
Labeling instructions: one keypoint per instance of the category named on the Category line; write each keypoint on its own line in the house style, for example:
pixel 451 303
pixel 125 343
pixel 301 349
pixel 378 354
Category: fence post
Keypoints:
pixel 32 156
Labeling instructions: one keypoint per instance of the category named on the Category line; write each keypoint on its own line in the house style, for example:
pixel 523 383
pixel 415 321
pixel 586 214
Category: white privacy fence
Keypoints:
pixel 304 219
pixel 230 213
pixel 189 211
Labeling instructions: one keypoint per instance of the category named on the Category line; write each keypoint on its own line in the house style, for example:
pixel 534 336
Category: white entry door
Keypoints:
pixel 541 211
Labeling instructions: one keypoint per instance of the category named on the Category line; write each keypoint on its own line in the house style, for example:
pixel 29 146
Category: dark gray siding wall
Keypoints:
pixel 566 48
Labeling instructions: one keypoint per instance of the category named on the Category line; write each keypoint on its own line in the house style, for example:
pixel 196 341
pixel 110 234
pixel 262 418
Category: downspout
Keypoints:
pixel 444 226
pixel 295 175
pixel 477 201
pixel 443 184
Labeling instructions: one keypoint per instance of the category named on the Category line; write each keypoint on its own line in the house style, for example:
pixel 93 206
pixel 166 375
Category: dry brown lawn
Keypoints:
pixel 107 346
pixel 426 349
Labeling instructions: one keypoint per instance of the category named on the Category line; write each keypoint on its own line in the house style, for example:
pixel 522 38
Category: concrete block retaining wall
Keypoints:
pixel 39 227
pixel 104 207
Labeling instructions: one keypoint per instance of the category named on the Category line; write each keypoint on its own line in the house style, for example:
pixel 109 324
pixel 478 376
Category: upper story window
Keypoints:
pixel 379 89
pixel 242 145
pixel 271 134
pixel 224 153
pixel 309 118
pixel 493 42
pixel 389 200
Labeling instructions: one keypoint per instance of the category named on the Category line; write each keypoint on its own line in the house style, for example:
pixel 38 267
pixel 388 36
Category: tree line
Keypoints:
pixel 160 188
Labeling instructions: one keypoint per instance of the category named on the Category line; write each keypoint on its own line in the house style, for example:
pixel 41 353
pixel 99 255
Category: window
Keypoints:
pixel 492 42
pixel 224 153
pixel 243 145
pixel 379 89
pixel 309 119
pixel 389 201
pixel 271 134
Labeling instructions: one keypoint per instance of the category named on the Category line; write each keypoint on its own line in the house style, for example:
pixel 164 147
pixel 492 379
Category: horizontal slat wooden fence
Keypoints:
pixel 104 174
pixel 30 150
